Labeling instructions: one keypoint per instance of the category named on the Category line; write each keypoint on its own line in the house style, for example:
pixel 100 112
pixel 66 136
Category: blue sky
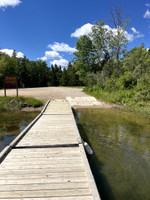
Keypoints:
pixel 48 29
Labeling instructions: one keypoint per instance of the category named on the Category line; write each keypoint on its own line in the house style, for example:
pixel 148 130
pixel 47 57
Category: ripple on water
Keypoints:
pixel 121 144
pixel 11 124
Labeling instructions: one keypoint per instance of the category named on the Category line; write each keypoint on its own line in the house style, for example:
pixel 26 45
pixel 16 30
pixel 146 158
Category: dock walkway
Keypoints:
pixel 47 160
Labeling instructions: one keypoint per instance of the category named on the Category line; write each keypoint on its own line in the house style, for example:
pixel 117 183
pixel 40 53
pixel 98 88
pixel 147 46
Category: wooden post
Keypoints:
pixel 17 92
pixel 17 87
pixel 5 92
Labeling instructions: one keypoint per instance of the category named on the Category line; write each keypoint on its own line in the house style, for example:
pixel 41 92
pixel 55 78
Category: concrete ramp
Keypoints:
pixel 84 102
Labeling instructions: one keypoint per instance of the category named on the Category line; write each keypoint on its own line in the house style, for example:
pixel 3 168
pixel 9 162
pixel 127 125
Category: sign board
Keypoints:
pixel 11 82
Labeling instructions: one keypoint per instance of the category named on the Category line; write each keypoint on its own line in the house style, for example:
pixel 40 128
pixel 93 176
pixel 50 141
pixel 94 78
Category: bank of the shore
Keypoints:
pixel 77 97
pixel 74 95
pixel 123 100
pixel 8 104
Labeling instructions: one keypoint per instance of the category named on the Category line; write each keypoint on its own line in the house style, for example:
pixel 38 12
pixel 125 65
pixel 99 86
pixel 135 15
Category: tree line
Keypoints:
pixel 36 73
pixel 104 64
pixel 101 63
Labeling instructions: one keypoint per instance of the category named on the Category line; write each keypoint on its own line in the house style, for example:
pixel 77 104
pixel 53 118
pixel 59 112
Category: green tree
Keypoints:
pixel 100 39
pixel 137 62
pixel 55 75
pixel 64 78
pixel 11 66
pixel 14 54
pixel 73 78
pixel 22 72
pixel 118 40
pixel 84 60
pixel 3 67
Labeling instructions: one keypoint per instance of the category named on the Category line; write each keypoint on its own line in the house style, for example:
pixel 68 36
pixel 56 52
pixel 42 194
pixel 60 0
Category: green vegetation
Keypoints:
pixel 109 71
pixel 128 99
pixel 36 73
pixel 17 103
pixel 102 63
pixel 130 87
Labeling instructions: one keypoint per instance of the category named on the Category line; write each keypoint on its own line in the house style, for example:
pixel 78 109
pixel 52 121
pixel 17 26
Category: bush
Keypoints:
pixel 126 81
pixel 143 95
pixel 110 84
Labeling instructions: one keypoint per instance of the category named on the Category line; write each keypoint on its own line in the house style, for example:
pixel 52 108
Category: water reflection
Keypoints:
pixel 11 124
pixel 121 144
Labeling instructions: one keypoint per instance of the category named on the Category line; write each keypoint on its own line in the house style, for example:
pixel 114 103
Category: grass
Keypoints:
pixel 127 99
pixel 17 103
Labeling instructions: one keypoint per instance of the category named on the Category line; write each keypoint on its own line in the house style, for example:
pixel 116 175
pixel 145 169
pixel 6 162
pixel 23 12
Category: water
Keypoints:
pixel 121 144
pixel 11 124
pixel 121 160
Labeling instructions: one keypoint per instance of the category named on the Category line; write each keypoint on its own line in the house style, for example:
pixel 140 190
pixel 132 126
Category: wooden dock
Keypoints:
pixel 47 160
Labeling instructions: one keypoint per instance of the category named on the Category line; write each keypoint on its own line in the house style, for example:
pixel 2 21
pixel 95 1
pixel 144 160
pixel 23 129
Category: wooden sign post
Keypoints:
pixel 11 82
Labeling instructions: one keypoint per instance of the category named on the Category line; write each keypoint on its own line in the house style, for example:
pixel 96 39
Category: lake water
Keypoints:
pixel 121 144
pixel 121 160
pixel 11 124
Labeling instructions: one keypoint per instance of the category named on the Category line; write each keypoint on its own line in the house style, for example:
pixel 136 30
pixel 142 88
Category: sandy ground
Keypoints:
pixel 47 93
pixel 75 96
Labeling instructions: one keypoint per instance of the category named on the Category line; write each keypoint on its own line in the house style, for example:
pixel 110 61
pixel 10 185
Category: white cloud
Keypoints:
pixel 134 35
pixel 83 30
pixel 55 56
pixel 147 14
pixel 147 4
pixel 44 58
pixel 61 47
pixel 52 55
pixel 134 30
pixel 20 55
pixel 5 3
pixel 10 53
pixel 129 36
pixel 7 51
pixel 137 34
pixel 87 28
pixel 61 62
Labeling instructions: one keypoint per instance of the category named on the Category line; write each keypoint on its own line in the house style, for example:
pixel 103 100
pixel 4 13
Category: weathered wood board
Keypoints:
pixel 49 162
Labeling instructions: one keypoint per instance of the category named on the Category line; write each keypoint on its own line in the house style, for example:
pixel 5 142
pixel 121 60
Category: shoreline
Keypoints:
pixel 79 103
pixel 75 96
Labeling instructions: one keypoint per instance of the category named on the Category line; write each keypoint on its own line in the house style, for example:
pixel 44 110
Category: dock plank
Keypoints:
pixel 55 198
pixel 39 167
pixel 29 187
pixel 45 193
pixel 52 130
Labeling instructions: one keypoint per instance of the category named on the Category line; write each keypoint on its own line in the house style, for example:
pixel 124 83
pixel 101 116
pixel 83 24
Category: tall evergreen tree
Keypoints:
pixel 64 78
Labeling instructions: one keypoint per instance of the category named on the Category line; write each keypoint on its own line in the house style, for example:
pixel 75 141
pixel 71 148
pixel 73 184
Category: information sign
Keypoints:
pixel 10 82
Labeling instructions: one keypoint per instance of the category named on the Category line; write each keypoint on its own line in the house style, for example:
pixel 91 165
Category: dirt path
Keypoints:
pixel 75 96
